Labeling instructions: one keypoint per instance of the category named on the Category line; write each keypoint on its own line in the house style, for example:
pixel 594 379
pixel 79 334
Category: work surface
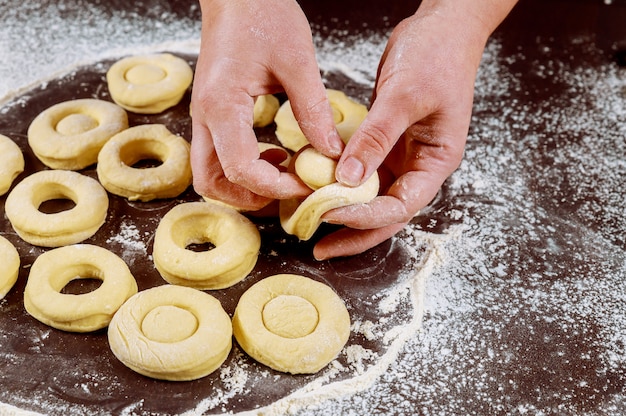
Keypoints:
pixel 518 266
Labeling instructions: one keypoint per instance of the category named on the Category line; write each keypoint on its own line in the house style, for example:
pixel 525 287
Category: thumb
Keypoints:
pixel 371 143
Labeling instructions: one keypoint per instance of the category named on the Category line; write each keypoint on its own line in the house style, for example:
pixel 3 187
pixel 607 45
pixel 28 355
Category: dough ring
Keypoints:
pixel 291 323
pixel 236 240
pixel 11 163
pixel 70 134
pixel 145 142
pixel 10 260
pixel 171 333
pixel 302 218
pixel 149 84
pixel 61 228
pixel 87 312
pixel 347 113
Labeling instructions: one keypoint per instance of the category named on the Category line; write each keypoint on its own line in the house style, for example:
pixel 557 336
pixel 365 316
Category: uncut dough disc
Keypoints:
pixel 70 134
pixel 149 84
pixel 10 260
pixel 11 163
pixel 291 323
pixel 171 332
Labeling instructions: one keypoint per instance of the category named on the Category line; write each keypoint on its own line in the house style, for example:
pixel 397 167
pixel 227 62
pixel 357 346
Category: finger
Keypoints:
pixel 371 143
pixel 311 107
pixel 237 149
pixel 348 242
pixel 209 179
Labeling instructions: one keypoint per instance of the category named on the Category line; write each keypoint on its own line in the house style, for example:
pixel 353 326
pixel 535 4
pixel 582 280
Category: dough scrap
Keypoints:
pixel 291 323
pixel 265 108
pixel 11 163
pixel 236 239
pixel 60 228
pixel 302 218
pixel 10 260
pixel 145 142
pixel 70 134
pixel 149 84
pixel 87 312
pixel 171 333
pixel 347 113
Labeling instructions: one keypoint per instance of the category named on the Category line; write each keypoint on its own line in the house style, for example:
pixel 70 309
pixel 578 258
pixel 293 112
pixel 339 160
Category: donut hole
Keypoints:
pixel 81 285
pixel 143 74
pixel 337 114
pixel 169 324
pixel 76 123
pixel 143 153
pixel 276 157
pixel 290 316
pixel 52 198
pixel 200 246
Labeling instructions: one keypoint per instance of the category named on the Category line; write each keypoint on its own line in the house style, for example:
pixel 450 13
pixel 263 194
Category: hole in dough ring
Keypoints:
pixel 203 347
pixel 54 269
pixel 300 354
pixel 60 228
pixel 302 218
pixel 149 141
pixel 70 134
pixel 149 84
pixel 10 260
pixel 11 163
pixel 236 239
pixel 348 115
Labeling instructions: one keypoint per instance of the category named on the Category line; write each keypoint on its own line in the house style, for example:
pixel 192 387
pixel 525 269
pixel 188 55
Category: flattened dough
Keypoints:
pixel 347 113
pixel 10 260
pixel 11 163
pixel 145 142
pixel 70 134
pixel 236 239
pixel 87 312
pixel 171 333
pixel 59 228
pixel 149 84
pixel 291 323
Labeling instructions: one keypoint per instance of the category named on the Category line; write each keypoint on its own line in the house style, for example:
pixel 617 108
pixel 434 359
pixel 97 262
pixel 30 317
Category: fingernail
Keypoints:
pixel 351 172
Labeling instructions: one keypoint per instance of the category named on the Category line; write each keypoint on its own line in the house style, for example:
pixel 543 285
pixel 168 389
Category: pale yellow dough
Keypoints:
pixel 265 108
pixel 149 84
pixel 171 333
pixel 291 323
pixel 347 113
pixel 70 134
pixel 145 142
pixel 60 228
pixel 10 260
pixel 11 163
pixel 302 218
pixel 86 312
pixel 236 239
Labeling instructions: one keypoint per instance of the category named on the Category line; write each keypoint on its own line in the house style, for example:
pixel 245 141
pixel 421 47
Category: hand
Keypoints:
pixel 416 129
pixel 250 48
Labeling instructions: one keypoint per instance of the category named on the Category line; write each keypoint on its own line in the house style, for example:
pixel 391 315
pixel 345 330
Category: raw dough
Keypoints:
pixel 302 218
pixel 87 312
pixel 265 108
pixel 70 134
pixel 145 142
pixel 291 323
pixel 171 333
pixel 347 113
pixel 236 240
pixel 61 228
pixel 10 260
pixel 11 163
pixel 149 84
